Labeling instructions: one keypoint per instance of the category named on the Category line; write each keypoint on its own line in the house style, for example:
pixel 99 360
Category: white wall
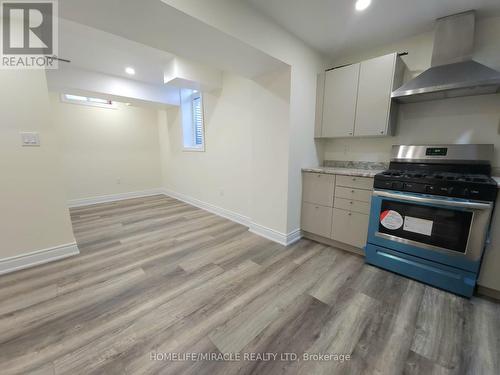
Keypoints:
pixel 107 151
pixel 460 120
pixel 246 124
pixel 240 20
pixel 33 212
pixel 220 175
pixel 270 129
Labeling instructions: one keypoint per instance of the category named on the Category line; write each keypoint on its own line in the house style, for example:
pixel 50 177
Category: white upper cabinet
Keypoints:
pixel 357 98
pixel 339 103
pixel 373 109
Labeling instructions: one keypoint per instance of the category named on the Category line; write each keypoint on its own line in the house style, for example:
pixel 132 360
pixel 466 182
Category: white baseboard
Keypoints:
pixel 113 197
pixel 284 239
pixel 36 258
pixel 293 236
pixel 260 230
pixel 228 214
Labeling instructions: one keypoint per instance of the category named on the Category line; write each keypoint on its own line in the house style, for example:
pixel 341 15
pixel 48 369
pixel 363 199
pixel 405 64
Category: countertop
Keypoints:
pixel 359 172
pixel 497 179
pixel 345 171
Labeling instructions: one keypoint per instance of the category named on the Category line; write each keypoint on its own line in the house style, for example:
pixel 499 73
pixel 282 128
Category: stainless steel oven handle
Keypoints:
pixel 442 202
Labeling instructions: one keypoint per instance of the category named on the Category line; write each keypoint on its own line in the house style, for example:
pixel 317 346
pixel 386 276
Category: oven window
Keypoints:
pixel 441 227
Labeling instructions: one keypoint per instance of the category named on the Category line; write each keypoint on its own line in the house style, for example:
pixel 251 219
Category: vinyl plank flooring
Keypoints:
pixel 158 275
pixel 439 334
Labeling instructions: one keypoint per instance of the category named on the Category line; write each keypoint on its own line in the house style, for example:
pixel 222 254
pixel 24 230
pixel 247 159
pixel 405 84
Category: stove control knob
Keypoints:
pixel 450 190
pixel 466 192
pixel 429 188
pixel 397 185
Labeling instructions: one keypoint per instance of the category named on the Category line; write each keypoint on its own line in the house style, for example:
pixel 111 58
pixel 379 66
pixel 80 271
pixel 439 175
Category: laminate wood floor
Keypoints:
pixel 158 276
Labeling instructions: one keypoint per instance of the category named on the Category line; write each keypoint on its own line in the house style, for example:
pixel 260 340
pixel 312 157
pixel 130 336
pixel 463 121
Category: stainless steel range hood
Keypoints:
pixel 453 72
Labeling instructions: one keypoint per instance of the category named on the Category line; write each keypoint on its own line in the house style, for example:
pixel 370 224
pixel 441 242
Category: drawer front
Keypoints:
pixel 350 205
pixel 318 188
pixel 448 278
pixel 355 182
pixel 316 219
pixel 353 194
pixel 349 227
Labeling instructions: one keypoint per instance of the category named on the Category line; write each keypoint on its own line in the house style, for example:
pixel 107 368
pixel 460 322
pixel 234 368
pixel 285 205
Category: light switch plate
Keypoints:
pixel 30 139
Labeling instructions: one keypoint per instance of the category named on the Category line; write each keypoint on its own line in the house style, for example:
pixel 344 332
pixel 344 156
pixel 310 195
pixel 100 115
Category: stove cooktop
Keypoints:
pixel 450 184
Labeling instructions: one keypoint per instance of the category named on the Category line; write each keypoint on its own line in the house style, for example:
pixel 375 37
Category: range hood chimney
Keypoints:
pixel 453 72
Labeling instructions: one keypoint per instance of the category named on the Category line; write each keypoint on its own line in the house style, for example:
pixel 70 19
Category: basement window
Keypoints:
pixel 85 100
pixel 193 129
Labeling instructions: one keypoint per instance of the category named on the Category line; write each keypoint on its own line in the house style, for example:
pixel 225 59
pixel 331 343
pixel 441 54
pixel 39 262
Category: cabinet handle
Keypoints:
pixel 350 214
pixel 354 178
pixel 352 191
pixel 351 202
pixel 382 132
pixel 350 133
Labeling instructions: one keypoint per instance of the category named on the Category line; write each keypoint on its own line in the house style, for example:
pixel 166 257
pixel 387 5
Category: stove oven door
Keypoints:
pixel 444 230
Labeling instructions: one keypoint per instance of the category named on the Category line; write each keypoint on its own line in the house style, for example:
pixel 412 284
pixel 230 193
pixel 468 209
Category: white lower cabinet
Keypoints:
pixel 349 227
pixel 336 208
pixel 317 219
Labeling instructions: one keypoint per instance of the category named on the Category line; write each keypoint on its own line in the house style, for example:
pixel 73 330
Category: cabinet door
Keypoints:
pixel 316 219
pixel 318 188
pixel 349 227
pixel 339 103
pixel 374 96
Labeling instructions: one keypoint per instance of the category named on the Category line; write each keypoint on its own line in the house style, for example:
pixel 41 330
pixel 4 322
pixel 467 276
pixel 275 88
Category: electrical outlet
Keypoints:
pixel 30 139
pixel 118 181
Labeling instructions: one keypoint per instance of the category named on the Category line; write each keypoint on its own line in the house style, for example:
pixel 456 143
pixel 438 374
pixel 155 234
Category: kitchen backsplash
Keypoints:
pixel 355 164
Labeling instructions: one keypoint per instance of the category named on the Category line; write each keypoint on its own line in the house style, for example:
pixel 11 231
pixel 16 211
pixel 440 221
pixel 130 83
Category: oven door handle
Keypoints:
pixel 441 202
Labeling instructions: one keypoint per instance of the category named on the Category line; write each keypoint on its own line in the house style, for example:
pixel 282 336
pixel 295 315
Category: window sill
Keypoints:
pixel 193 149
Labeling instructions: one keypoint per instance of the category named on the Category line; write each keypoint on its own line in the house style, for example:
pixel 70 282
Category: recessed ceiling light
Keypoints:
pixel 363 4
pixel 130 70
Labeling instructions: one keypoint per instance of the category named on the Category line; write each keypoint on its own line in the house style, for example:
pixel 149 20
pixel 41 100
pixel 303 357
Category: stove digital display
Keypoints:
pixel 436 151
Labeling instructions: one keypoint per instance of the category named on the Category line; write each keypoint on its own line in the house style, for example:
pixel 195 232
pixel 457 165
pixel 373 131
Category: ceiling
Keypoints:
pixel 335 28
pixel 145 33
pixel 99 51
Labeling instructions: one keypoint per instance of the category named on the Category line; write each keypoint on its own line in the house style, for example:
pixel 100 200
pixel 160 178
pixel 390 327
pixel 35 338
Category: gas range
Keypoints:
pixel 428 181
pixel 430 214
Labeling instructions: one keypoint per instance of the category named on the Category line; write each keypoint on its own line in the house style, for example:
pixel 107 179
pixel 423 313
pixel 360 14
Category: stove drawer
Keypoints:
pixel 452 279
pixel 350 205
pixel 355 182
pixel 353 194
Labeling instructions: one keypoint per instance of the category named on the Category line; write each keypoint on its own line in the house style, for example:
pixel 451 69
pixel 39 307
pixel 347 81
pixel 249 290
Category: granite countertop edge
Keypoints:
pixel 344 171
pixel 497 179
pixel 358 172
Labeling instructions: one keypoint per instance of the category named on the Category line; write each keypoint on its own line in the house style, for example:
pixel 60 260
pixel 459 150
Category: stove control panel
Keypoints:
pixel 484 193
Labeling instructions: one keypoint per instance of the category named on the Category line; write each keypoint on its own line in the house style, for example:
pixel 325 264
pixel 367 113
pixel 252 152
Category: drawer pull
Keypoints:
pixel 349 214
pixel 351 202
pixel 352 191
